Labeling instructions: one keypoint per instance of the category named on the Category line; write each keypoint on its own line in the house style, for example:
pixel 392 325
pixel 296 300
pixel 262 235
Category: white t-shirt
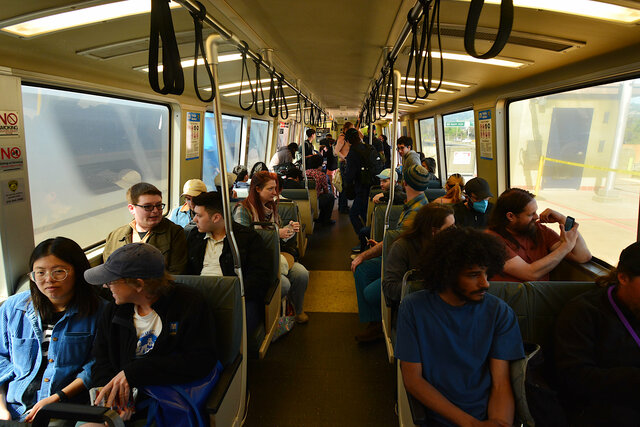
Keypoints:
pixel 148 330
pixel 211 262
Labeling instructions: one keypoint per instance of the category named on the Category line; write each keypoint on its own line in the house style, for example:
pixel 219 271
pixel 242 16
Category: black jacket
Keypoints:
pixel 184 351
pixel 466 217
pixel 356 164
pixel 253 258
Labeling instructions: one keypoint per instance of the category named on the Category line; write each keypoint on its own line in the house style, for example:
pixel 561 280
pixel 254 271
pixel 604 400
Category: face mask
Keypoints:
pixel 481 206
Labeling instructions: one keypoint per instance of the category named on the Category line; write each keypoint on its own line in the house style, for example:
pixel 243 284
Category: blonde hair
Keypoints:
pixel 454 186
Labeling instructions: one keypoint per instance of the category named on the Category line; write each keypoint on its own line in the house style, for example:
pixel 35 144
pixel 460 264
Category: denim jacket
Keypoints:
pixel 21 350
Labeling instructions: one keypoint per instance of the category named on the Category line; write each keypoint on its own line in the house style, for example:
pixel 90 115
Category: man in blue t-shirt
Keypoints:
pixel 455 340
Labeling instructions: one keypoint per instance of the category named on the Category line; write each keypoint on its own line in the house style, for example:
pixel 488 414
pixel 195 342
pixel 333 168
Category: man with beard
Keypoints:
pixel 454 340
pixel 533 249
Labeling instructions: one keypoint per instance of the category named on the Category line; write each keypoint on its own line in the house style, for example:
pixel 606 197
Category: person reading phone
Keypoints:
pixel 533 249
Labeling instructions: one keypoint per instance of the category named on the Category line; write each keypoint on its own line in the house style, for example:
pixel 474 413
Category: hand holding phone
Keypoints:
pixel 568 224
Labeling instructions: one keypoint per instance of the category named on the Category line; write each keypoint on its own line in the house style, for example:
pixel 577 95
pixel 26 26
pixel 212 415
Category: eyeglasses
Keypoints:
pixel 56 275
pixel 150 208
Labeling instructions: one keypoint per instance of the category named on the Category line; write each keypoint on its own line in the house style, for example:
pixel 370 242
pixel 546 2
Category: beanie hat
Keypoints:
pixel 416 177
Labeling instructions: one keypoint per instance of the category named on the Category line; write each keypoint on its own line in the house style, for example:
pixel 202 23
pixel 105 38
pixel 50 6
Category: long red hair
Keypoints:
pixel 253 203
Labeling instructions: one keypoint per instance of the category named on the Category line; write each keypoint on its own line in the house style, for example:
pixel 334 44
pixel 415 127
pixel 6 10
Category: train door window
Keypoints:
pixel 427 129
pixel 460 143
pixel 258 141
pixel 84 151
pixel 232 128
pixel 579 152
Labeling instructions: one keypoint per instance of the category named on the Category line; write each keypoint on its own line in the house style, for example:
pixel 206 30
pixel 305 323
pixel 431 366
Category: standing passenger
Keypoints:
pixel 148 226
pixel 356 176
pixel 341 150
pixel 46 333
pixel 325 197
pixel 183 215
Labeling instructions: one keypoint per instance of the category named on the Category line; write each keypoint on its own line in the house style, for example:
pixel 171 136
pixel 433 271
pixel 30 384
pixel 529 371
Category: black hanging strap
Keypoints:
pixel 161 27
pixel 244 70
pixel 504 31
pixel 197 24
pixel 259 88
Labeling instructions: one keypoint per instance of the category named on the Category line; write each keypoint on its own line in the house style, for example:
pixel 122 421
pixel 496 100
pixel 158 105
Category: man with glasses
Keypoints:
pixel 149 226
pixel 405 149
pixel 475 210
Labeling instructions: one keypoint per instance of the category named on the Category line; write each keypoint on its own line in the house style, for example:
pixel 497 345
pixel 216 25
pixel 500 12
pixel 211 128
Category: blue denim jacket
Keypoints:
pixel 21 351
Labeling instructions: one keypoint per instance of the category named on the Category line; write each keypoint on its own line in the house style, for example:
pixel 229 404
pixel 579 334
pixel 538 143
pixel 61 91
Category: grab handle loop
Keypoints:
pixel 161 27
pixel 504 30
pixel 244 69
pixel 197 24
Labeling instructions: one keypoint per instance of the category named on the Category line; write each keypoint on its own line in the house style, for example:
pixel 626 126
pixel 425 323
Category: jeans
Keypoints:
pixel 368 283
pixel 358 212
pixel 294 285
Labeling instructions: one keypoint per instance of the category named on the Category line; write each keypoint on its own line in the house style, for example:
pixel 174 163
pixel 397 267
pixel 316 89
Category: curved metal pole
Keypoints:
pixel 212 54
pixel 394 151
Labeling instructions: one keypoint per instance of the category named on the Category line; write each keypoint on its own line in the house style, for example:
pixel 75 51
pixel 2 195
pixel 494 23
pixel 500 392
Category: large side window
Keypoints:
pixel 579 152
pixel 84 151
pixel 258 141
pixel 232 128
pixel 460 143
pixel 427 129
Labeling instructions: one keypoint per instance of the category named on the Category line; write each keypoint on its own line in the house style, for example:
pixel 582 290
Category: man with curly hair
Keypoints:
pixel 455 340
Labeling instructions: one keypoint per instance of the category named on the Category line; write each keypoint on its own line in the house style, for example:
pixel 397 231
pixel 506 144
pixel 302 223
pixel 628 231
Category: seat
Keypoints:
pixel 377 224
pixel 389 238
pixel 288 211
pixel 536 305
pixel 313 198
pixel 274 293
pixel 434 193
pixel 375 189
pixel 300 197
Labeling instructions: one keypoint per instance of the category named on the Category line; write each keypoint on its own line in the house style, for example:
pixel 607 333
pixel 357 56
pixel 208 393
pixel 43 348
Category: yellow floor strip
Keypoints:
pixel 331 292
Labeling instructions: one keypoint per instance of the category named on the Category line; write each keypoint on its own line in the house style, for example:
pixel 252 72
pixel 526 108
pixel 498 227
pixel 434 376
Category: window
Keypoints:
pixel 460 144
pixel 232 128
pixel 258 141
pixel 84 151
pixel 427 134
pixel 578 164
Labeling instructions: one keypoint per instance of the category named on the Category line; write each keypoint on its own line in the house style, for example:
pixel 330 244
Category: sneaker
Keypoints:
pixel 372 333
pixel 356 249
pixel 302 317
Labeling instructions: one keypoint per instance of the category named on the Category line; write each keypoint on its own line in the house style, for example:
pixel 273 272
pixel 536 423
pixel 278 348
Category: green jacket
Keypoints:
pixel 166 236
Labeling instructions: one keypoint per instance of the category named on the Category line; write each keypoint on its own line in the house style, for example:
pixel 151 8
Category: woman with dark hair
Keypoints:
pixel 454 187
pixel 46 334
pixel 404 254
pixel 261 205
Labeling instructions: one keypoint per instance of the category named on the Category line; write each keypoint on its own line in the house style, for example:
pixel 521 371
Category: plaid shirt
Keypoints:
pixel 411 208
pixel 322 185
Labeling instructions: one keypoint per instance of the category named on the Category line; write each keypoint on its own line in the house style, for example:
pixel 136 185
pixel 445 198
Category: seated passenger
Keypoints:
pixel 210 252
pixel 154 333
pixel 454 340
pixel 368 265
pixel 293 179
pixel 405 253
pixel 258 167
pixel 598 350
pixel 429 163
pixel 475 210
pixel 46 333
pixel 283 158
pixel 148 226
pixel 231 179
pixel 242 178
pixel 454 187
pixel 533 249
pixel 326 199
pixel 261 205
pixel 183 215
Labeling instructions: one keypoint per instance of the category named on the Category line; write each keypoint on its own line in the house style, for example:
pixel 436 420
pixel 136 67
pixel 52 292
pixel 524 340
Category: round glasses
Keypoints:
pixel 57 275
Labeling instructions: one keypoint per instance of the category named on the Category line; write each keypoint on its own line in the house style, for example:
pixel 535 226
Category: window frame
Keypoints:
pixel 444 139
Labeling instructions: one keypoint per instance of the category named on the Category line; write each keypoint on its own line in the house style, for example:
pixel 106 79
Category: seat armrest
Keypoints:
pixel 75 412
pixel 418 410
pixel 220 390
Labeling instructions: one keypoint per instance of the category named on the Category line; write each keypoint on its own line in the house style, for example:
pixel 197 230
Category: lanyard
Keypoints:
pixel 623 319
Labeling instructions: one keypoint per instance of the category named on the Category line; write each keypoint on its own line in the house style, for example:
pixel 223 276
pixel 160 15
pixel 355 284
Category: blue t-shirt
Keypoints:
pixel 454 345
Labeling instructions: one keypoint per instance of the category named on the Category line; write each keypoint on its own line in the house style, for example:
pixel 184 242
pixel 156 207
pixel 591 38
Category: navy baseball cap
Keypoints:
pixel 132 261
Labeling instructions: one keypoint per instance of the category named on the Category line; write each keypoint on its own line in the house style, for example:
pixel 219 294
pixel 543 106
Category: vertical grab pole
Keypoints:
pixel 394 151
pixel 303 166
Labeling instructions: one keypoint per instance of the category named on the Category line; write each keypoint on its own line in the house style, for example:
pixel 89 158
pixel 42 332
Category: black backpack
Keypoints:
pixel 372 165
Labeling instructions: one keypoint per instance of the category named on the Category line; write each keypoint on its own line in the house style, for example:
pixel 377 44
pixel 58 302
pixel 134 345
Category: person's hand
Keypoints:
pixel 571 236
pixel 549 215
pixel 126 413
pixel 39 405
pixel 295 226
pixel 356 262
pixel 5 414
pixel 377 197
pixel 285 232
pixel 372 242
pixel 116 392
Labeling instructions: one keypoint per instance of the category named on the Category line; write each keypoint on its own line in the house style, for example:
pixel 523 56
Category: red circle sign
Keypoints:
pixel 12 119
pixel 15 153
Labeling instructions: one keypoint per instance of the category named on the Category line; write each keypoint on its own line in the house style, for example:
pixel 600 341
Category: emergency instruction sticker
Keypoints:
pixel 9 125
pixel 486 140
pixel 13 191
pixel 11 158
pixel 193 136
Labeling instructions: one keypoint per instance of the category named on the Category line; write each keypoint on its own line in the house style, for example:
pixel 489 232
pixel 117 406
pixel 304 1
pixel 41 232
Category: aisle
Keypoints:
pixel 318 375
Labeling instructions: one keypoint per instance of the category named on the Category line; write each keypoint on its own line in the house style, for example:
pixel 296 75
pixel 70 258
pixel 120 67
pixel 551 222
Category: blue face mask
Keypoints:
pixel 481 206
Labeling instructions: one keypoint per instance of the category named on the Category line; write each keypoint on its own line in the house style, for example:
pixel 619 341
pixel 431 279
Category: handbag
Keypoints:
pixel 181 404
pixel 336 181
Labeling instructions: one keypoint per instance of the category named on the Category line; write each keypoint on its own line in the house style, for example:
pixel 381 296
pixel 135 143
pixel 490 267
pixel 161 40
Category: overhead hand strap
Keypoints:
pixel 504 31
pixel 162 28
pixel 245 70
pixel 259 88
pixel 197 24
pixel 273 95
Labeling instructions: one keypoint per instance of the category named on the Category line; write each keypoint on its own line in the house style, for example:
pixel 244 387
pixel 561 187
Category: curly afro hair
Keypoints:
pixel 455 249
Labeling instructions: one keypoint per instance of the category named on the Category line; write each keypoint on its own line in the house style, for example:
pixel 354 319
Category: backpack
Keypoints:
pixel 372 165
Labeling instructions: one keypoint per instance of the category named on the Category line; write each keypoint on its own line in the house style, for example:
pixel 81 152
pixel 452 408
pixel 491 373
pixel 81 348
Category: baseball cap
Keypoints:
pixel 479 187
pixel 193 188
pixel 133 261
pixel 231 179
pixel 629 257
pixel 386 174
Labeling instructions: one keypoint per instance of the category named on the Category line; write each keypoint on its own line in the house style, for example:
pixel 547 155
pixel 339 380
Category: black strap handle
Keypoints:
pixel 284 110
pixel 161 27
pixel 504 30
pixel 273 95
pixel 198 18
pixel 245 68
pixel 259 88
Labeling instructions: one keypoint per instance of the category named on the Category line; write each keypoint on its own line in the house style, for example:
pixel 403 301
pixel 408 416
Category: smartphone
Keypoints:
pixel 568 224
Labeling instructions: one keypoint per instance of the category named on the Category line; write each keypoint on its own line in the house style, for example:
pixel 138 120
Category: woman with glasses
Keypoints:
pixel 46 333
